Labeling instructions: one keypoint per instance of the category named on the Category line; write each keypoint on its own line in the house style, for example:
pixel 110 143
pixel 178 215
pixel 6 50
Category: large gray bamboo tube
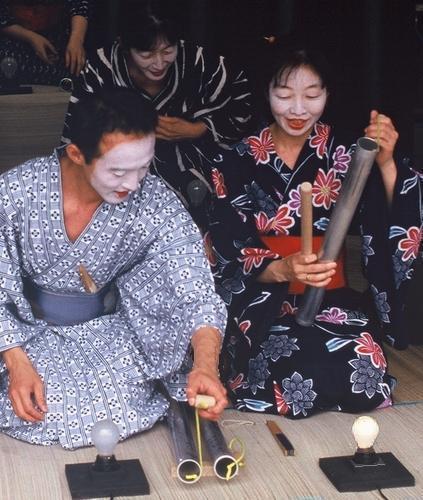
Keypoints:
pixel 188 468
pixel 218 450
pixel 346 204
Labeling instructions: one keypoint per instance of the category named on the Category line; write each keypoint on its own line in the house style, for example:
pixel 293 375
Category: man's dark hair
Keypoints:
pixel 143 24
pixel 109 110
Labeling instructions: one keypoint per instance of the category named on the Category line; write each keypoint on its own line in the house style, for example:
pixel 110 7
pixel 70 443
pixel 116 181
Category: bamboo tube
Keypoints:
pixel 188 468
pixel 346 204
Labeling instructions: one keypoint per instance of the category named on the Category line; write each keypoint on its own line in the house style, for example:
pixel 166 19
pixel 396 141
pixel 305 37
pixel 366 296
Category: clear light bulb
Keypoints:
pixel 197 191
pixel 105 436
pixel 8 67
pixel 365 430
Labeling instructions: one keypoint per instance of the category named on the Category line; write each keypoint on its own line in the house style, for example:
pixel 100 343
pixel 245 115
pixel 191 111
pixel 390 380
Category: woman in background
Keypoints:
pixel 273 364
pixel 202 102
pixel 46 38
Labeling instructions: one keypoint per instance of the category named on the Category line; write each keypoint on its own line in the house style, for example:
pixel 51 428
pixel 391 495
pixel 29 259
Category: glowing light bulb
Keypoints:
pixel 365 430
pixel 105 435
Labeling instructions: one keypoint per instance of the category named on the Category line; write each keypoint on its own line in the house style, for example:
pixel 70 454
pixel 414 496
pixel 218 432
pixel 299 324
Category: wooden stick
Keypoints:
pixel 87 281
pixel 306 218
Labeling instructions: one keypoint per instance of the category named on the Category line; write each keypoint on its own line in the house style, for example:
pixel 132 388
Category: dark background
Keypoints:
pixel 374 46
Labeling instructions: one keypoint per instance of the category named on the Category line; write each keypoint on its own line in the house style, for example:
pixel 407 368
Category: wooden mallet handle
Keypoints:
pixel 306 218
pixel 202 402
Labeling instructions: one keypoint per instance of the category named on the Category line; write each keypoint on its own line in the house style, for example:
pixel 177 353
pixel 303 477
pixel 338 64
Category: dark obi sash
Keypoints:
pixel 64 309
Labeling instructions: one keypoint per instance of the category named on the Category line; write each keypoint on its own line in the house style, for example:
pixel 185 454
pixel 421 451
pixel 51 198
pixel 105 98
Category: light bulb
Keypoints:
pixel 197 191
pixel 365 430
pixel 8 67
pixel 105 435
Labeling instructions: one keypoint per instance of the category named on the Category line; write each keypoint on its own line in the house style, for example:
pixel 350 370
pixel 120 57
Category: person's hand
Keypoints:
pixel 382 130
pixel 171 128
pixel 26 389
pixel 75 56
pixel 43 48
pixel 201 381
pixel 299 267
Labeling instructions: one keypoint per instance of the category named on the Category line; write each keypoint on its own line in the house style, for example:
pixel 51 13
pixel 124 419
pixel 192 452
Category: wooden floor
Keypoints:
pixel 37 473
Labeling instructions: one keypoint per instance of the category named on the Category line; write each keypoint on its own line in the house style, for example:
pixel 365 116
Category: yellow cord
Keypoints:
pixel 198 433
pixel 239 460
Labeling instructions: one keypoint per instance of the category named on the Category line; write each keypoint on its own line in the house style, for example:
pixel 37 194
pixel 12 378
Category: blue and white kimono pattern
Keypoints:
pixel 107 367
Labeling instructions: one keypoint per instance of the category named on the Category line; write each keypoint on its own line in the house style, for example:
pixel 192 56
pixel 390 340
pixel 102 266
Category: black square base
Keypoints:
pixel 128 480
pixel 345 477
pixel 15 90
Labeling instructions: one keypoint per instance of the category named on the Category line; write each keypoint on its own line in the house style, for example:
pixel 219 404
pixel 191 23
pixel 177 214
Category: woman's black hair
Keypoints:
pixel 288 59
pixel 142 24
pixel 112 110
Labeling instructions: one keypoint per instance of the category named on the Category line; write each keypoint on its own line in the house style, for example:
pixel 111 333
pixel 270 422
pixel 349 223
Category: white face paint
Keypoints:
pixel 297 102
pixel 154 64
pixel 124 162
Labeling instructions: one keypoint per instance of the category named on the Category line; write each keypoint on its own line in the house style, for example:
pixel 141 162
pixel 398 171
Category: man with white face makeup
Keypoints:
pixel 105 285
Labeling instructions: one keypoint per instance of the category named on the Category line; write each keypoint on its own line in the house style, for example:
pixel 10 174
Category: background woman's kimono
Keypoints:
pixel 107 367
pixel 199 87
pixel 275 365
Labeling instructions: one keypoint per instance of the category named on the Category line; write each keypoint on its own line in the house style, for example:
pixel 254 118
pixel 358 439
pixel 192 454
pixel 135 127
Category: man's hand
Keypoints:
pixel 207 382
pixel 26 389
pixel 43 48
pixel 171 128
pixel 204 377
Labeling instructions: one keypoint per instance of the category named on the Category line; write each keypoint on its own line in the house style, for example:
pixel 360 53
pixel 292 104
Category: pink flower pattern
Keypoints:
pixel 261 147
pixel 367 346
pixel 294 202
pixel 332 315
pixel 254 257
pixel 280 223
pixel 341 159
pixel 319 140
pixel 219 183
pixel 325 188
pixel 410 245
pixel 287 308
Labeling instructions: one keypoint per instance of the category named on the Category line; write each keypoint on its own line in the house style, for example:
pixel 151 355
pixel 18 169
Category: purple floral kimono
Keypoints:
pixel 271 363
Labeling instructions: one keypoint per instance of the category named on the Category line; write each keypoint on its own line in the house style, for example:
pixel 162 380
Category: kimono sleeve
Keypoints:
pixel 15 311
pixel 80 7
pixel 170 293
pixel 226 99
pixel 237 253
pixel 391 245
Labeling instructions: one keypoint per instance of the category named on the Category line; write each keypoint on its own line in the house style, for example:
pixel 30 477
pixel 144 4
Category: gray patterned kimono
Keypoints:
pixel 107 367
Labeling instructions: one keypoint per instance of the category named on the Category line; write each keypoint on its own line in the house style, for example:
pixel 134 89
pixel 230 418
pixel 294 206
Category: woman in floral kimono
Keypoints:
pixel 272 364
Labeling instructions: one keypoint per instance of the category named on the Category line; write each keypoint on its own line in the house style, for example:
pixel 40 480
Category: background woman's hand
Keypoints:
pixel 75 56
pixel 299 267
pixel 172 128
pixel 43 48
